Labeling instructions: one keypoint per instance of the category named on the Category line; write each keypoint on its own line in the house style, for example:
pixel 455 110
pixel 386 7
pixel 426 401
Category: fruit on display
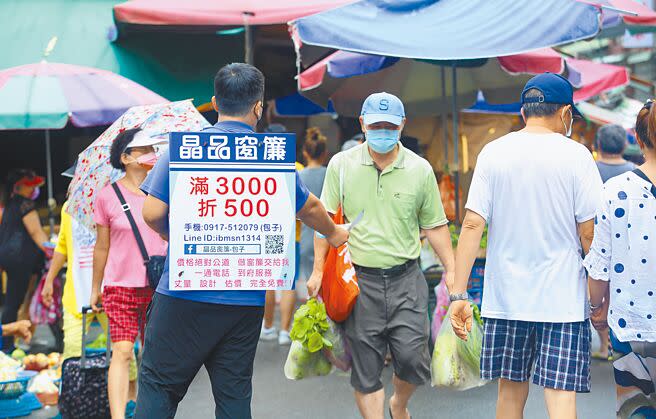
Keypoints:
pixel 40 361
pixel 54 359
pixel 18 354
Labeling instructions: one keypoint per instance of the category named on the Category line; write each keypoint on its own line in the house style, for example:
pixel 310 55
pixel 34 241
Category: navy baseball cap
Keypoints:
pixel 382 107
pixel 554 88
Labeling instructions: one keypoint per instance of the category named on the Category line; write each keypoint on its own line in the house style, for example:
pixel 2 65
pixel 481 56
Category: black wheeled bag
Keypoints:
pixel 83 391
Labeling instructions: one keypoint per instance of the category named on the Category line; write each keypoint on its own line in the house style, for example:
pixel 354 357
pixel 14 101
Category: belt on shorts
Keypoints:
pixel 393 271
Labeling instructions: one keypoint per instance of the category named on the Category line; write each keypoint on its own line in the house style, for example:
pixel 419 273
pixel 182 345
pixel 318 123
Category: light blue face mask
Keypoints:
pixel 382 141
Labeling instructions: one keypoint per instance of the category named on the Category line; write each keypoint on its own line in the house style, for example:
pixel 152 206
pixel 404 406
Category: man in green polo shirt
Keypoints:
pixel 398 193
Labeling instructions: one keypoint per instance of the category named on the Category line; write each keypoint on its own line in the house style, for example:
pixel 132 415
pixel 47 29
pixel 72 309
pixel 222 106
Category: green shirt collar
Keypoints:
pixel 368 161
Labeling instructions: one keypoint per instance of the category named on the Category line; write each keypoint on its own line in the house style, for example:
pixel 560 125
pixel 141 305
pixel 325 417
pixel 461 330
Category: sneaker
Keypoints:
pixel 268 334
pixel 130 408
pixel 283 338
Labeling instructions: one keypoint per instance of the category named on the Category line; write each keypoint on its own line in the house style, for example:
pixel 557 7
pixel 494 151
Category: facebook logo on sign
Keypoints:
pixel 190 249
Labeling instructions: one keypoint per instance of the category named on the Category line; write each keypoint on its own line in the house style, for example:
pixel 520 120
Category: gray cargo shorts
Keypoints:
pixel 391 310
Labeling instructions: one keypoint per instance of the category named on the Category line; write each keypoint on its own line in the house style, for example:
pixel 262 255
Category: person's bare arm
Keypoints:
pixel 468 245
pixel 586 234
pixel 56 266
pixel 599 297
pixel 314 215
pixel 100 253
pixel 156 214
pixel 335 236
pixel 440 240
pixel 598 291
pixel 20 329
pixel 33 226
pixel 321 247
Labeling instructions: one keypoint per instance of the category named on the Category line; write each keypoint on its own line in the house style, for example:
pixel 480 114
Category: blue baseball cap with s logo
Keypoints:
pixel 382 107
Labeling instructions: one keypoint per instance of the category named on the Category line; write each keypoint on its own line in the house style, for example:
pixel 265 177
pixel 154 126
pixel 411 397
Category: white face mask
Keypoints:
pixel 568 131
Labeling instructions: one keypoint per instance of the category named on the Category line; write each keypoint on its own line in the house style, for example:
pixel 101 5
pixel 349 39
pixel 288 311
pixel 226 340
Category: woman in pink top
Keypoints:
pixel 118 263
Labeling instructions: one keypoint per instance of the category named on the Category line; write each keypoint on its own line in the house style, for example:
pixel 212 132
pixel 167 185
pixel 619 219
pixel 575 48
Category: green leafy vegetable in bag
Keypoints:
pixel 306 357
pixel 456 363
pixel 310 322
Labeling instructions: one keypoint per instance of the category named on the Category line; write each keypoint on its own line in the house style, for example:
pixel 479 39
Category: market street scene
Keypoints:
pixel 328 208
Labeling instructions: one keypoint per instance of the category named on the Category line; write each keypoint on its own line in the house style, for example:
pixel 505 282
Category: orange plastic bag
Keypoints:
pixel 339 287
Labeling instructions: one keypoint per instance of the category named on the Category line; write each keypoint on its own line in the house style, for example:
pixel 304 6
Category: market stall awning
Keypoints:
pixel 218 13
pixel 595 78
pixel 343 64
pixel 297 106
pixel 174 66
pixel 447 29
pixel 624 114
pixel 639 19
pixel 590 79
pixel 345 78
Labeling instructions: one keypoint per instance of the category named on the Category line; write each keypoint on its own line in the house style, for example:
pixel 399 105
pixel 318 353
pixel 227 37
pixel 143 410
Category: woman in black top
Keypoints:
pixel 21 241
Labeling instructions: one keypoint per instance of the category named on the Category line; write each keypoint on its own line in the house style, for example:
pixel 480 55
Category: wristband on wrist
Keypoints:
pixel 459 297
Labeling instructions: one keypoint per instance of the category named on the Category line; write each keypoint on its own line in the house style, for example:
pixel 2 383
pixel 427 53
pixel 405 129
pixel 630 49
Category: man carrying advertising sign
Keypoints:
pixel 201 325
pixel 231 196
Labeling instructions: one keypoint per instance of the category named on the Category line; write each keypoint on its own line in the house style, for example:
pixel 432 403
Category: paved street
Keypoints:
pixel 330 397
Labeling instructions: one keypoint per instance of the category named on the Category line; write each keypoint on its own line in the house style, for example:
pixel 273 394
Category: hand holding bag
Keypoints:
pixel 339 287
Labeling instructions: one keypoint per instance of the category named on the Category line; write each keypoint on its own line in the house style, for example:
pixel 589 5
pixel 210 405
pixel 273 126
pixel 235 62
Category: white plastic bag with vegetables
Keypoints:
pixel 339 354
pixel 306 358
pixel 456 363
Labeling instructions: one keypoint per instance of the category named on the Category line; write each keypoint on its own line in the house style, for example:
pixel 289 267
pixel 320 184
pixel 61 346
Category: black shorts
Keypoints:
pixel 391 311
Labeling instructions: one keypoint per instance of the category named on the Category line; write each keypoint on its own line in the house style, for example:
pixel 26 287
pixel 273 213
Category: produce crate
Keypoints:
pixel 20 407
pixel 13 389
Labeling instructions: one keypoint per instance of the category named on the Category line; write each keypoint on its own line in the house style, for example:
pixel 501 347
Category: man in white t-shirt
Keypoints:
pixel 537 190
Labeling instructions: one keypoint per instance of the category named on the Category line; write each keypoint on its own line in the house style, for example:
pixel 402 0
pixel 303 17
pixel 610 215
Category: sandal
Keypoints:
pixel 601 357
pixel 392 417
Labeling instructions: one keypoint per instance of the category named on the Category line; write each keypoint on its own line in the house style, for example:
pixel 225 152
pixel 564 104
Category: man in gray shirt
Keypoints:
pixel 611 142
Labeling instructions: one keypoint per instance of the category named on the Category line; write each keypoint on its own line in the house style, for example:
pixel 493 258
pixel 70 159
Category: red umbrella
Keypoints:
pixel 212 15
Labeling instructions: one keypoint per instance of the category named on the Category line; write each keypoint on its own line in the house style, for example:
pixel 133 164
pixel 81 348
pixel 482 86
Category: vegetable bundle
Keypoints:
pixel 456 363
pixel 317 343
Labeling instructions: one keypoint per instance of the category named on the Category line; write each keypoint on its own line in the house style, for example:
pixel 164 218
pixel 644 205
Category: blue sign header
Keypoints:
pixel 212 147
